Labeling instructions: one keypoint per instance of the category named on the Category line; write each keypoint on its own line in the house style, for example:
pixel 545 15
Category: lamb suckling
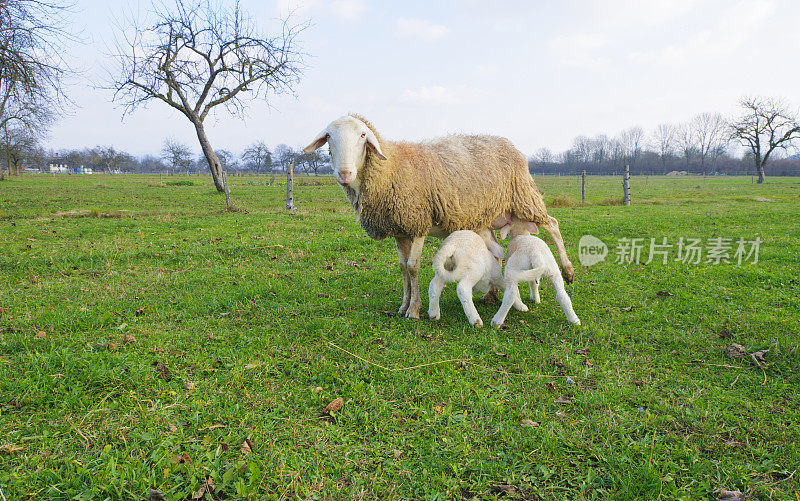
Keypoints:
pixel 409 190
pixel 529 260
pixel 472 260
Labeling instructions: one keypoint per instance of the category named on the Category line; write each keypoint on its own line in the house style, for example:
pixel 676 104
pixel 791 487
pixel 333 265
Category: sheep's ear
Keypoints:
pixel 495 249
pixel 373 141
pixel 530 226
pixel 504 231
pixel 501 220
pixel 318 141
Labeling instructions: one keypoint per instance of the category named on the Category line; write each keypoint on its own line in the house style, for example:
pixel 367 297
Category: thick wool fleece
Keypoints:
pixel 453 183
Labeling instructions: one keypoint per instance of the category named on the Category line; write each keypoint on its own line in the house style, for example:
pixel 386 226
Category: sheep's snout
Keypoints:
pixel 345 177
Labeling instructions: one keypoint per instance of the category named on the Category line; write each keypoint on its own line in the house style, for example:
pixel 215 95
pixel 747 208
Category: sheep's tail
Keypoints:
pixel 446 261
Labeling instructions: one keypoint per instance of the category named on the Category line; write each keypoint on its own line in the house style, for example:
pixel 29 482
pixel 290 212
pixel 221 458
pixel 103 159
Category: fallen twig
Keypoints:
pixel 396 369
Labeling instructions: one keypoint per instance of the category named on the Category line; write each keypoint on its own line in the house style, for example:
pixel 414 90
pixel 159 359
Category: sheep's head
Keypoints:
pixel 348 139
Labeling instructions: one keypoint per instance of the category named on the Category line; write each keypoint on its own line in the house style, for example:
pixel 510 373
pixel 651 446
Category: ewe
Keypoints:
pixel 529 259
pixel 409 190
pixel 471 260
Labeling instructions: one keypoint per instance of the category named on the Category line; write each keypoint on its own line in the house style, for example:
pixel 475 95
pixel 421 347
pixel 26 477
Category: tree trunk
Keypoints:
pixel 213 161
pixel 760 174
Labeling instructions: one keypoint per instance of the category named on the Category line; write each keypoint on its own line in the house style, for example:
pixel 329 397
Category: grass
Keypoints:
pixel 142 351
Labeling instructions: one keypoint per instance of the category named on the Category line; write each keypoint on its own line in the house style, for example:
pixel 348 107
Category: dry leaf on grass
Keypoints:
pixel 172 427
pixel 334 406
pixel 529 423
pixel 627 308
pixel 247 447
pixel 664 294
pixel 725 495
pixel 162 371
pixel 128 338
pixel 758 356
pixel 735 350
pixel 155 495
pixel 40 335
pixel 397 453
pixel 584 351
pixel 563 400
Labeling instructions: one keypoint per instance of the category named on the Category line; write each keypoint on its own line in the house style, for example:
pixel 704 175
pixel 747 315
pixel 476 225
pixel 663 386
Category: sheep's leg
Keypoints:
pixel 533 285
pixel 510 296
pixel 464 291
pixel 567 271
pixel 563 299
pixel 434 292
pixel 403 249
pixel 412 267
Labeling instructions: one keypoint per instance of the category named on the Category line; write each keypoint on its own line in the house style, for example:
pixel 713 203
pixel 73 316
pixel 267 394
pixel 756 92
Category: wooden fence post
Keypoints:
pixel 583 187
pixel 289 182
pixel 626 186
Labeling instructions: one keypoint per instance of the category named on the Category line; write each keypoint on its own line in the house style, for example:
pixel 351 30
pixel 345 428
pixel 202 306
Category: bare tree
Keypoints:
pixel 284 155
pixel 685 141
pixel 765 125
pixel 632 141
pixel 543 156
pixel 108 159
pixel 18 145
pixel 708 131
pixel 258 154
pixel 176 154
pixel 197 55
pixel 31 69
pixel 664 140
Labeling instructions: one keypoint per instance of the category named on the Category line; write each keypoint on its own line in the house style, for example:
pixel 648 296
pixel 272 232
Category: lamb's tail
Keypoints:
pixel 530 275
pixel 446 261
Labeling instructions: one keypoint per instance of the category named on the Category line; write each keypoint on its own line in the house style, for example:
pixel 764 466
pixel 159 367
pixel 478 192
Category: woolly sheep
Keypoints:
pixel 472 260
pixel 410 190
pixel 529 259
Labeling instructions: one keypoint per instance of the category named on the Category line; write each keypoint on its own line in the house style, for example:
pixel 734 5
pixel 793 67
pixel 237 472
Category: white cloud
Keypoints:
pixel 727 35
pixel 579 50
pixel 420 28
pixel 349 10
pixel 438 95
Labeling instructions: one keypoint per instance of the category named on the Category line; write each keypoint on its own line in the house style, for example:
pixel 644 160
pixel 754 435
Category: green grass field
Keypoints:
pixel 146 334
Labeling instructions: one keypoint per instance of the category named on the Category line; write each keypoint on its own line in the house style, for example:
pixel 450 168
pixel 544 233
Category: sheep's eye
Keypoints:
pixel 363 134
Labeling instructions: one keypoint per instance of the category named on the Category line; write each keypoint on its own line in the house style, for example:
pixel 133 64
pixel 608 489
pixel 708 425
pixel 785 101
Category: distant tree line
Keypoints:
pixel 25 152
pixel 766 128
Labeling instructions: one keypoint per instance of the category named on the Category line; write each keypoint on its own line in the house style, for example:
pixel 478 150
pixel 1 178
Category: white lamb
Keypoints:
pixel 471 259
pixel 529 259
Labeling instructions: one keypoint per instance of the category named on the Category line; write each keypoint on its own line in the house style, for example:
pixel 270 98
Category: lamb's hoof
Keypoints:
pixel 491 297
pixel 478 323
pixel 568 273
pixel 521 307
pixel 536 300
pixel 577 321
pixel 496 324
pixel 434 316
pixel 402 311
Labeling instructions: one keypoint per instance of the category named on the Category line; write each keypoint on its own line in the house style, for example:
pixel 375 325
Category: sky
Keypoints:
pixel 538 73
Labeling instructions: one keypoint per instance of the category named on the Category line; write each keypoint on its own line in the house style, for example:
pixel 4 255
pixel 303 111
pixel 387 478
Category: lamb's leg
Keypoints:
pixel 563 299
pixel 403 249
pixel 412 267
pixel 567 271
pixel 464 290
pixel 493 296
pixel 533 285
pixel 510 296
pixel 434 292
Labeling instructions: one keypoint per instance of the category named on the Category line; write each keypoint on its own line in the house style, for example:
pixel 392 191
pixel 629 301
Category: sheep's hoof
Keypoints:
pixel 568 273
pixel 478 323
pixel 412 313
pixel 577 321
pixel 434 316
pixel 496 324
pixel 520 306
pixel 402 311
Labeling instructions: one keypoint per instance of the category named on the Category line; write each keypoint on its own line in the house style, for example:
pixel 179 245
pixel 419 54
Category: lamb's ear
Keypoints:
pixel 532 227
pixel 495 249
pixel 504 231
pixel 373 141
pixel 318 141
